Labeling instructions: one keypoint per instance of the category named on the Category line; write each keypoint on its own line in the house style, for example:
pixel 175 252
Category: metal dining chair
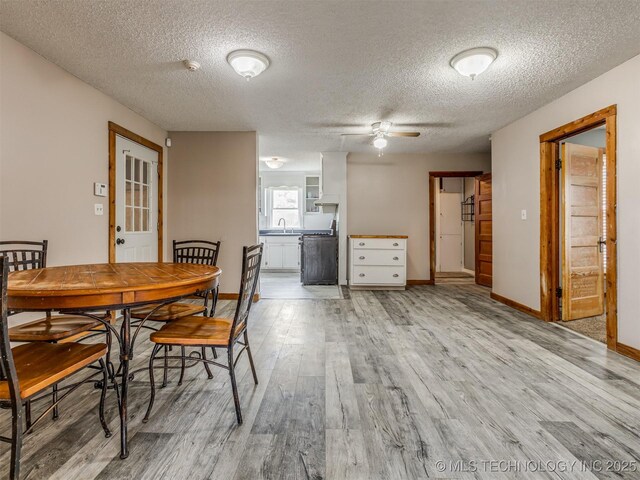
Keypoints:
pixel 26 255
pixel 29 369
pixel 203 332
pixel 202 252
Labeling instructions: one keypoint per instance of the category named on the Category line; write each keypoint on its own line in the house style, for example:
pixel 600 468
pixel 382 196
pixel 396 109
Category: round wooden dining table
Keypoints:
pixel 83 289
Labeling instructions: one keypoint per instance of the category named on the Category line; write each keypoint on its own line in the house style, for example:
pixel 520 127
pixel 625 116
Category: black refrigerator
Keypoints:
pixel 319 260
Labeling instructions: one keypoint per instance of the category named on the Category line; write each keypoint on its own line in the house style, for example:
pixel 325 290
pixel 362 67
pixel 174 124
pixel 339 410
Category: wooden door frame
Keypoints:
pixel 115 129
pixel 432 209
pixel 550 217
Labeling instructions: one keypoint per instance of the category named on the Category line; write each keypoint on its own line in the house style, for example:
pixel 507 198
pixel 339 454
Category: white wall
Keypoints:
pixel 591 138
pixel 389 195
pixel 213 179
pixel 334 184
pixel 516 186
pixel 54 144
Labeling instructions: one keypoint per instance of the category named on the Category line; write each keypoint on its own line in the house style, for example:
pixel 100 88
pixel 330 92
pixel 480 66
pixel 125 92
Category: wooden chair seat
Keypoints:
pixel 194 330
pixel 52 329
pixel 168 313
pixel 40 365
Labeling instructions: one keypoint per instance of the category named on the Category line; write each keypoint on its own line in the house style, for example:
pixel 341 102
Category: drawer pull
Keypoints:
pixel 396 258
pixel 361 258
pixel 362 274
pixel 396 244
pixel 395 275
pixel 361 244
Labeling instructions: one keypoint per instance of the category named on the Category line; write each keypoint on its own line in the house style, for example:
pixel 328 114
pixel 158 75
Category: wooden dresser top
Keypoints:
pixel 378 236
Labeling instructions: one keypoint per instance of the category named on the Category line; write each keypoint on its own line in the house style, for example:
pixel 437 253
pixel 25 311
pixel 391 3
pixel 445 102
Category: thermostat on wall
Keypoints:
pixel 100 189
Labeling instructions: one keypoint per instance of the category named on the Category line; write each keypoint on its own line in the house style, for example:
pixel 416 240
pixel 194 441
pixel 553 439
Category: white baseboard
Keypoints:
pixel 471 272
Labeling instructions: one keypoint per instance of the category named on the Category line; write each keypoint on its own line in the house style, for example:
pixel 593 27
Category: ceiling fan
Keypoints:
pixel 380 132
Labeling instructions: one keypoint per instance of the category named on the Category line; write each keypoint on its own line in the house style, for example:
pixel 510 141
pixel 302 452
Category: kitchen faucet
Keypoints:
pixel 284 228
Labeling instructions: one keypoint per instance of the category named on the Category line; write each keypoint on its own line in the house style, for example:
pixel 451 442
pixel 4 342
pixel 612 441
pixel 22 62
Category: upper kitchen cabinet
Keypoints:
pixel 311 193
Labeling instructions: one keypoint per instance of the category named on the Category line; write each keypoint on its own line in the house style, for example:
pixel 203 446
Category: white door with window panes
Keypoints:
pixel 136 202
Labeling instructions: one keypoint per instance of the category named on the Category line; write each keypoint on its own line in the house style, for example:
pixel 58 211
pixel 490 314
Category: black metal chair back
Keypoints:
pixel 201 252
pixel 23 255
pixel 8 373
pixel 251 260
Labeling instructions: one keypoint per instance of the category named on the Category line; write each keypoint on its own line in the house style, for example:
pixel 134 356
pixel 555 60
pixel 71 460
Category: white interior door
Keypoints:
pixel 136 202
pixel 450 232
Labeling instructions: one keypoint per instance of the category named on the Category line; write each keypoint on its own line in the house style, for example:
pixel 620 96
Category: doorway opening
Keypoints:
pixel 578 226
pixel 298 231
pixel 452 227
pixel 135 197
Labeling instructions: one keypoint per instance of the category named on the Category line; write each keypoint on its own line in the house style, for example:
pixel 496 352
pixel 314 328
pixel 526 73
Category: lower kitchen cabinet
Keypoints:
pixel 281 253
pixel 291 256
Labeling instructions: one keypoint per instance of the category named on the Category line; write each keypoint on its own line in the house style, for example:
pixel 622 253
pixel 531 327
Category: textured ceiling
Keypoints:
pixel 336 66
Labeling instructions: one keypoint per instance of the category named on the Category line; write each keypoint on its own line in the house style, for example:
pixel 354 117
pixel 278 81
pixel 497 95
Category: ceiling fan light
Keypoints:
pixel 248 63
pixel 473 62
pixel 380 142
pixel 274 163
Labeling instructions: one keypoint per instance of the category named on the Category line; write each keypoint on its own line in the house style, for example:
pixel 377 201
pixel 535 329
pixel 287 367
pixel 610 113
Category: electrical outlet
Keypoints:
pixel 523 214
pixel 98 209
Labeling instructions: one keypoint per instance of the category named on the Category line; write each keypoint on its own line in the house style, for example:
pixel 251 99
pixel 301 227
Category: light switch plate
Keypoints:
pixel 98 209
pixel 523 214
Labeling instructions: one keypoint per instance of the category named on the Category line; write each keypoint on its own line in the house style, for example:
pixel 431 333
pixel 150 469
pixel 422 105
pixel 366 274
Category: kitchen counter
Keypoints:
pixel 294 233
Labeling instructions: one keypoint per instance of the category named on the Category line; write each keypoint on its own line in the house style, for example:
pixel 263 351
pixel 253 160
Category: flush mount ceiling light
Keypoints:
pixel 274 163
pixel 474 61
pixel 248 63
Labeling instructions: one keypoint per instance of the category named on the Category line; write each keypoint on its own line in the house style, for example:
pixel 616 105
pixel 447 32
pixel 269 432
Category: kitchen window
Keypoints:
pixel 285 203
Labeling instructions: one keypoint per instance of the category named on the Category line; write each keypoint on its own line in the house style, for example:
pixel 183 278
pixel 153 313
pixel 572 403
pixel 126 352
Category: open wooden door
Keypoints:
pixel 582 239
pixel 484 229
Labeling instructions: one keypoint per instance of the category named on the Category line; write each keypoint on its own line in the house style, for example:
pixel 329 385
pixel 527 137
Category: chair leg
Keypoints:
pixel 234 387
pixel 166 366
pixel 27 413
pixel 110 368
pixel 103 396
pixel 215 301
pixel 183 353
pixel 54 398
pixel 16 441
pixel 253 368
pixel 206 365
pixel 215 354
pixel 156 349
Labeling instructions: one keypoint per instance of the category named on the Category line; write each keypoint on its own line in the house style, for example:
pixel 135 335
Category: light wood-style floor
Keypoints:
pixel 277 285
pixel 378 385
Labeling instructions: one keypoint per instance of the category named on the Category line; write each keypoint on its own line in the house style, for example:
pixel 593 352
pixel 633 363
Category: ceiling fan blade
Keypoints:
pixel 357 134
pixel 403 134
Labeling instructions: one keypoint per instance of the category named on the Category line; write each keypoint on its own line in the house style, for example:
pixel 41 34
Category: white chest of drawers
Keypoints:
pixel 377 262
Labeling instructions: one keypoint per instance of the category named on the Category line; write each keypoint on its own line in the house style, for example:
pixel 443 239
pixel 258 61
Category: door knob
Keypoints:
pixel 120 241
